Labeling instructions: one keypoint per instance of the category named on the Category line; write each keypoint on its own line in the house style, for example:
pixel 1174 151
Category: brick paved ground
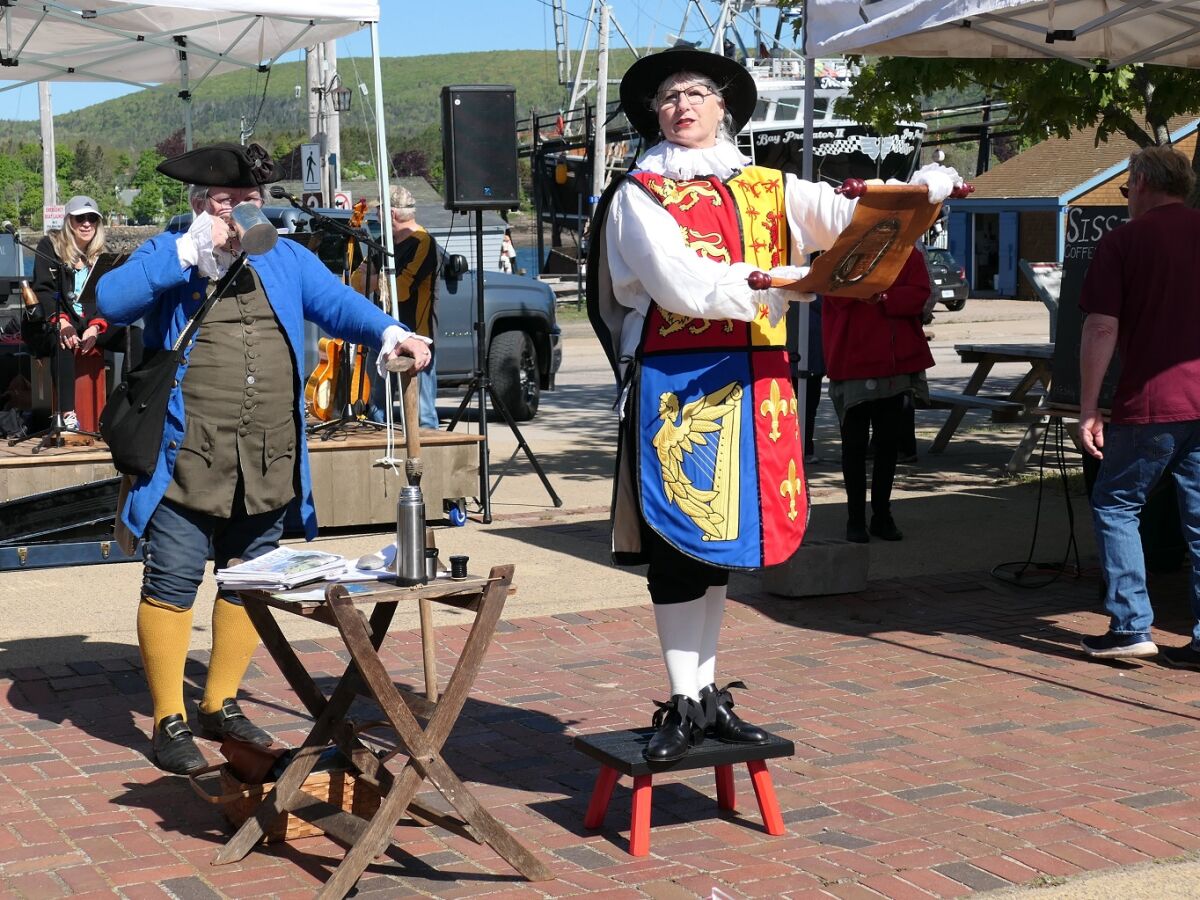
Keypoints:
pixel 949 739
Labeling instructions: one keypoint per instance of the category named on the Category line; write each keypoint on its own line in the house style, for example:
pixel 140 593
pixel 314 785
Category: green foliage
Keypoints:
pixel 1045 97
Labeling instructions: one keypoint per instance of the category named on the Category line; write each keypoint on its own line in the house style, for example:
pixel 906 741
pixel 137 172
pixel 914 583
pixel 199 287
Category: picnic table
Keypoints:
pixel 420 747
pixel 1037 360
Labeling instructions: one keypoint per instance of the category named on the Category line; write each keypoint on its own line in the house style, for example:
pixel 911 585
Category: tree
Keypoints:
pixel 170 146
pixel 1044 98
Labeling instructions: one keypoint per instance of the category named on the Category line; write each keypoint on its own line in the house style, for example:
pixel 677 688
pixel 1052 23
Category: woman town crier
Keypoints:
pixel 710 471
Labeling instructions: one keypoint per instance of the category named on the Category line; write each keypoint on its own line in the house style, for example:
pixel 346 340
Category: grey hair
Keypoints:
pixel 725 129
pixel 403 204
pixel 197 194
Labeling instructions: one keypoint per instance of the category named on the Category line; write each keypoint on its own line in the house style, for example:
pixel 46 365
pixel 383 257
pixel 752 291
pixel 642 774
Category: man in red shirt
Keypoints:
pixel 1142 299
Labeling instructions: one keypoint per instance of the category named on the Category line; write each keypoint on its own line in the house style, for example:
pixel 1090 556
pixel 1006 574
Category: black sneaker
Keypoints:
pixel 885 527
pixel 1185 657
pixel 1119 646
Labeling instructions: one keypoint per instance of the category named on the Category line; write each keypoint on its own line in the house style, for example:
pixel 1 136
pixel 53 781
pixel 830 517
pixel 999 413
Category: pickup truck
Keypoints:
pixel 521 334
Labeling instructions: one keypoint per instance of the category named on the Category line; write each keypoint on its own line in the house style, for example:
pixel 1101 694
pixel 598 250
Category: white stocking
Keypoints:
pixel 714 610
pixel 680 630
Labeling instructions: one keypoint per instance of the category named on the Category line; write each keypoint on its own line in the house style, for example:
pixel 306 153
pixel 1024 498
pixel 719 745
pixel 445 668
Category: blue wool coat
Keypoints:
pixel 154 287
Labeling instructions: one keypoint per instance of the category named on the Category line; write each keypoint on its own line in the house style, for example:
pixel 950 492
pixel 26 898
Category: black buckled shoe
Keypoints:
pixel 722 722
pixel 680 724
pixel 230 721
pixel 174 750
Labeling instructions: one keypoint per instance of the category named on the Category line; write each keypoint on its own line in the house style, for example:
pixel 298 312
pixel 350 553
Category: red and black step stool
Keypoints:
pixel 620 753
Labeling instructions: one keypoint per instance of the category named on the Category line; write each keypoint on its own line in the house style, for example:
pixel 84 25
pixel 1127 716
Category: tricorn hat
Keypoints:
pixel 643 79
pixel 223 165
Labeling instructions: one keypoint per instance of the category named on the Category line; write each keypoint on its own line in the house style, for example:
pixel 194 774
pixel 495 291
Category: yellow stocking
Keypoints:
pixel 164 633
pixel 234 640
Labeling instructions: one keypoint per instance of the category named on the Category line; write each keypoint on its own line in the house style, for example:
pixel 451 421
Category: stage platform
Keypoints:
pixel 349 489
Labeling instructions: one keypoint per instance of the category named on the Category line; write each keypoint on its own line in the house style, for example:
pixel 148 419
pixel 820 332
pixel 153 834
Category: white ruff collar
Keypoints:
pixel 674 161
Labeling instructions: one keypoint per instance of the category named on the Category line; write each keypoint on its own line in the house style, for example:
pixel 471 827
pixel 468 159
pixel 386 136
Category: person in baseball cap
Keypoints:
pixel 233 459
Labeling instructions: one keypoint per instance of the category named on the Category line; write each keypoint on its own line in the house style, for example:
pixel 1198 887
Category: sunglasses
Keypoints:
pixel 89 218
pixel 1124 189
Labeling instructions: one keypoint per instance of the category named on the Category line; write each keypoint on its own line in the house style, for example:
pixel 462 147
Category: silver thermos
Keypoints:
pixel 410 536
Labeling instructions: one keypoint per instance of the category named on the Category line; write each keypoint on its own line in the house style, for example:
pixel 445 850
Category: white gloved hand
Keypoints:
pixel 393 335
pixel 939 180
pixel 777 299
pixel 213 262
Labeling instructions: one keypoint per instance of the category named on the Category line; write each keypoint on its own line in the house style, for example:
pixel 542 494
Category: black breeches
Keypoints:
pixel 674 577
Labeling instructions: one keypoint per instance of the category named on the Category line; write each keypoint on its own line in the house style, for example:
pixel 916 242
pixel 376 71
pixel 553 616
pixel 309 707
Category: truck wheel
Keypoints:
pixel 513 370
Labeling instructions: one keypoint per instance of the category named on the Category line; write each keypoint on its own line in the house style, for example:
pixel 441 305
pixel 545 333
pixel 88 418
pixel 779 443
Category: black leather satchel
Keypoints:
pixel 133 418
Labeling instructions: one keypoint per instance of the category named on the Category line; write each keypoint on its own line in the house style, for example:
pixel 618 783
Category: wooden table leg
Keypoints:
pixel 329 713
pixel 639 826
pixel 956 414
pixel 764 792
pixel 424 746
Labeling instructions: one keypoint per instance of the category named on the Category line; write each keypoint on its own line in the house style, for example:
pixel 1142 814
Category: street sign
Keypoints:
pixel 310 166
pixel 342 200
pixel 312 199
pixel 52 216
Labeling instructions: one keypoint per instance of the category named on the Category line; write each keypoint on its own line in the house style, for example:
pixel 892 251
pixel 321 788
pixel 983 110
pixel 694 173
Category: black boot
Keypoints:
pixel 884 526
pixel 173 749
pixel 680 724
pixel 722 722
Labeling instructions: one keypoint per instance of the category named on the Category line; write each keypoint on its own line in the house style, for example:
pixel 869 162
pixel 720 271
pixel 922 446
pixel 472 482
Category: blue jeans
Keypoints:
pixel 1136 457
pixel 178 543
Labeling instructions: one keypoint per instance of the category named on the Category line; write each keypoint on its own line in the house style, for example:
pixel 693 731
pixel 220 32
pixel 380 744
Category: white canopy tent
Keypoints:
pixel 179 42
pixel 1079 31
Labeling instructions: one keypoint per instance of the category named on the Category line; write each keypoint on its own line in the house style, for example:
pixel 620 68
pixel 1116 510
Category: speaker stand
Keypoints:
pixel 481 387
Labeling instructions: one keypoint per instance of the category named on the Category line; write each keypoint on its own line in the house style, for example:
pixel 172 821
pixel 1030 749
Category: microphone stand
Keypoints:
pixel 51 436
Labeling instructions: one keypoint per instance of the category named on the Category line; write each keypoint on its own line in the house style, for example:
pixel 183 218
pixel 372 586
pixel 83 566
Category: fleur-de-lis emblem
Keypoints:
pixel 791 487
pixel 775 406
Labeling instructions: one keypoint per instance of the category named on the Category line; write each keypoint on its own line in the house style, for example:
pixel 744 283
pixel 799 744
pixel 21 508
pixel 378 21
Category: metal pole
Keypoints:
pixel 601 110
pixel 485 385
pixel 385 170
pixel 49 160
pixel 333 126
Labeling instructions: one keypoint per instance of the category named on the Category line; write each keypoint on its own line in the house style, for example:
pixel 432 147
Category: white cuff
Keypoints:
pixel 393 335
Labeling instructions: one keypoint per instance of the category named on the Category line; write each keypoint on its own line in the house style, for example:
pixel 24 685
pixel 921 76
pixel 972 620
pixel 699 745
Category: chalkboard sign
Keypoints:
pixel 1086 225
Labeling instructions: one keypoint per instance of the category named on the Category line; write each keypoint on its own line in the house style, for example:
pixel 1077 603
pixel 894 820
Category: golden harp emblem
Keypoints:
pixel 706 429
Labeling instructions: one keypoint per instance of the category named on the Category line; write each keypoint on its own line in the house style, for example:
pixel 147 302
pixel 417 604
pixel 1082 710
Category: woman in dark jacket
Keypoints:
pixel 876 356
pixel 73 328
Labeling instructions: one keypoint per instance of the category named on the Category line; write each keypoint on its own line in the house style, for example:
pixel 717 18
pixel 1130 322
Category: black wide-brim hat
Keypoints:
pixel 643 79
pixel 223 165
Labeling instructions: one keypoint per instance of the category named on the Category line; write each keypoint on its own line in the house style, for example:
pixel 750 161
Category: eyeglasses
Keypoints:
pixel 87 219
pixel 1124 189
pixel 695 97
pixel 227 202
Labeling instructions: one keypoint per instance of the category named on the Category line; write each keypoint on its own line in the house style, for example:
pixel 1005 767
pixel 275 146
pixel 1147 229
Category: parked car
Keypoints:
pixel 522 339
pixel 947 279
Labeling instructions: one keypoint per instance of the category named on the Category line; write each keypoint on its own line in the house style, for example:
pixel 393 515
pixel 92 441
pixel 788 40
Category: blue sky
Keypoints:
pixel 450 26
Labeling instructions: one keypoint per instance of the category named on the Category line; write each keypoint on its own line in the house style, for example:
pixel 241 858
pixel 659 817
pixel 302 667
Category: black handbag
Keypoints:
pixel 133 418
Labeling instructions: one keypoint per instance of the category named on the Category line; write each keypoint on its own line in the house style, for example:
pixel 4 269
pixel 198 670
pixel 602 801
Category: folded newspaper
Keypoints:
pixel 283 568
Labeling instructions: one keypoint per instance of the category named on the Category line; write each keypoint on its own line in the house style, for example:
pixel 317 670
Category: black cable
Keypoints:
pixel 1001 570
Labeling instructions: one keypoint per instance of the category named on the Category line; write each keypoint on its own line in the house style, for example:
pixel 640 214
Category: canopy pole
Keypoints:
pixel 185 93
pixel 384 170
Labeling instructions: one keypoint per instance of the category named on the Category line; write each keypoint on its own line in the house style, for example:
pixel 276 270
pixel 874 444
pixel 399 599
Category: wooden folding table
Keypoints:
pixel 366 674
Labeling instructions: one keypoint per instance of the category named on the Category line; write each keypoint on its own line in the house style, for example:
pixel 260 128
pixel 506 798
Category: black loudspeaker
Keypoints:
pixel 479 146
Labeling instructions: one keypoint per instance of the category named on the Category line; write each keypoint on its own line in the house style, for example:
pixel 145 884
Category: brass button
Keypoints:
pixel 246 320
pixel 249 404
pixel 172 445
pixel 195 295
pixel 243 431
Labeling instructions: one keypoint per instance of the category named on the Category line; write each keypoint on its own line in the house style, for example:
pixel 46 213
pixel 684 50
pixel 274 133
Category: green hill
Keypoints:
pixel 412 87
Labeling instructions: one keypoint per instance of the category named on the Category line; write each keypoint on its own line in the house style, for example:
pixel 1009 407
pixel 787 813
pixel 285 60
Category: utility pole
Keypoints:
pixel 598 136
pixel 49 158
pixel 332 124
pixel 315 82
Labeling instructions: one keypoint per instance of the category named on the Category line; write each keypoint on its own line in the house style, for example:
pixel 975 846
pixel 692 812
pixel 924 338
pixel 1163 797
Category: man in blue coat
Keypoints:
pixel 233 458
